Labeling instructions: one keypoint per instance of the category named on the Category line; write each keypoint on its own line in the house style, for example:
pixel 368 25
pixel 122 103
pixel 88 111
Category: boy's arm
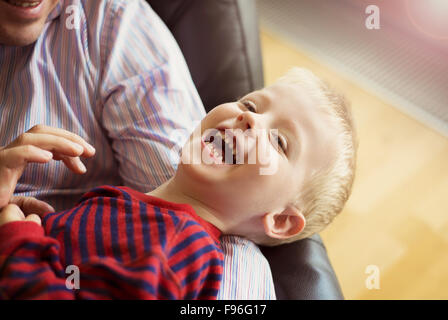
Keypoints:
pixel 31 268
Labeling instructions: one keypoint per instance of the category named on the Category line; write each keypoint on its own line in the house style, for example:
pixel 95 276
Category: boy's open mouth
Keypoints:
pixel 222 146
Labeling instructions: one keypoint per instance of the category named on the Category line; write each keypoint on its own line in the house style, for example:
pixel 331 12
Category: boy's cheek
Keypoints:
pixel 271 168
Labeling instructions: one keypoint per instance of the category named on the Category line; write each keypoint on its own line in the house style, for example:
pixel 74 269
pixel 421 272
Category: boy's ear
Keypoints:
pixel 285 224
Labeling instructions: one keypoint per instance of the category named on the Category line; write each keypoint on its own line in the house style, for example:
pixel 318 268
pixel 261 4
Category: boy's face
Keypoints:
pixel 283 131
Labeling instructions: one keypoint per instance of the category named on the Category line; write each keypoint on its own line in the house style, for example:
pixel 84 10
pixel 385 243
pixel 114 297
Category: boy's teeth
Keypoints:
pixel 214 151
pixel 225 142
pixel 23 4
pixel 231 143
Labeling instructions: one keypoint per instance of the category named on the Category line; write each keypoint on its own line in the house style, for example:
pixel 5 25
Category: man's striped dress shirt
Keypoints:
pixel 111 72
pixel 116 78
pixel 124 244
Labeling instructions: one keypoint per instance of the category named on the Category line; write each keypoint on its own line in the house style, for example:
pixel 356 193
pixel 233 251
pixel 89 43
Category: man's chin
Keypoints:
pixel 20 37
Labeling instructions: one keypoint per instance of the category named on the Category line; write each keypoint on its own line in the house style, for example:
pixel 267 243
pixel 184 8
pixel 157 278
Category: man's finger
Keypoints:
pixel 89 150
pixel 49 142
pixel 12 163
pixel 34 218
pixel 75 164
pixel 19 156
pixel 31 205
pixel 11 213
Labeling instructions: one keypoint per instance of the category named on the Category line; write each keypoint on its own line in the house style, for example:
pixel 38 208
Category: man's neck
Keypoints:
pixel 171 191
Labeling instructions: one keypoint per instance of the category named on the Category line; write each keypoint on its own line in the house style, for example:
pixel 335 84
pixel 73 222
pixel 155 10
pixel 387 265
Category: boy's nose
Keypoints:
pixel 246 120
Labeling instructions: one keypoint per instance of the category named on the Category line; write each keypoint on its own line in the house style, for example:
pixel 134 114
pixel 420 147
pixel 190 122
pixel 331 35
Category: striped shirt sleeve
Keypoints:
pixel 149 102
pixel 246 274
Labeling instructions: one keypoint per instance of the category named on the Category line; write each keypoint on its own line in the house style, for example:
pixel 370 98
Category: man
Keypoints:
pixel 109 72
pixel 77 74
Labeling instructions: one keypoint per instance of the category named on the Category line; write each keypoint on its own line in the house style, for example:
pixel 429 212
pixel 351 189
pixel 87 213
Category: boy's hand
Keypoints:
pixel 40 144
pixel 12 213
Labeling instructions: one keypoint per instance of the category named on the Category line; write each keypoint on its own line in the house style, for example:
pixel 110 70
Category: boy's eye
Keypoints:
pixel 281 142
pixel 250 106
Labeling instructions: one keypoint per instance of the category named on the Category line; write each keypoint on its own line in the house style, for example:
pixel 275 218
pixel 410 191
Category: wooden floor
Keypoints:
pixel 397 217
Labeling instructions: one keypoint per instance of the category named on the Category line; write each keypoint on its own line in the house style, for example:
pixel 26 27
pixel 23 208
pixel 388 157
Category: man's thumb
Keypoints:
pixel 31 205
pixel 34 218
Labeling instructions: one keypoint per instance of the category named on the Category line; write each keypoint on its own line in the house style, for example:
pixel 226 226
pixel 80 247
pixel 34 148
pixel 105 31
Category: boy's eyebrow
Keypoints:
pixel 265 98
pixel 293 128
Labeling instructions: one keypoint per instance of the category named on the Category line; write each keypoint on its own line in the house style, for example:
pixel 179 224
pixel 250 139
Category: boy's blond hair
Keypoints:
pixel 325 193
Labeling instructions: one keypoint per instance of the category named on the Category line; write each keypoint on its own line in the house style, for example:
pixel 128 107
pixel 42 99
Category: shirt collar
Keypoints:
pixel 56 12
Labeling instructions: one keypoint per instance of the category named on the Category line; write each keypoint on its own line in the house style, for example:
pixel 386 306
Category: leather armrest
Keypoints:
pixel 302 271
pixel 219 43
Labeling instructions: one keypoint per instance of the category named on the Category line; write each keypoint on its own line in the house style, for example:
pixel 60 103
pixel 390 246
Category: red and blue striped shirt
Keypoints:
pixel 125 244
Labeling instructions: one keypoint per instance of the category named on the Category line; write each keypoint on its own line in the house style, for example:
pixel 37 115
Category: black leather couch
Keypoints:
pixel 220 42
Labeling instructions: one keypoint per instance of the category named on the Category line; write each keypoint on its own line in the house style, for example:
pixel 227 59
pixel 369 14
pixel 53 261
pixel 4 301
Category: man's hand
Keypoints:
pixel 12 213
pixel 40 144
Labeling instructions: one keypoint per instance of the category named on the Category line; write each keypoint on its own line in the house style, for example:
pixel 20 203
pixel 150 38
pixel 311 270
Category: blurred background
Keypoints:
pixel 397 80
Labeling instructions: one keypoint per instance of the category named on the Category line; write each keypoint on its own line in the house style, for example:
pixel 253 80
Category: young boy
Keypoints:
pixel 165 244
